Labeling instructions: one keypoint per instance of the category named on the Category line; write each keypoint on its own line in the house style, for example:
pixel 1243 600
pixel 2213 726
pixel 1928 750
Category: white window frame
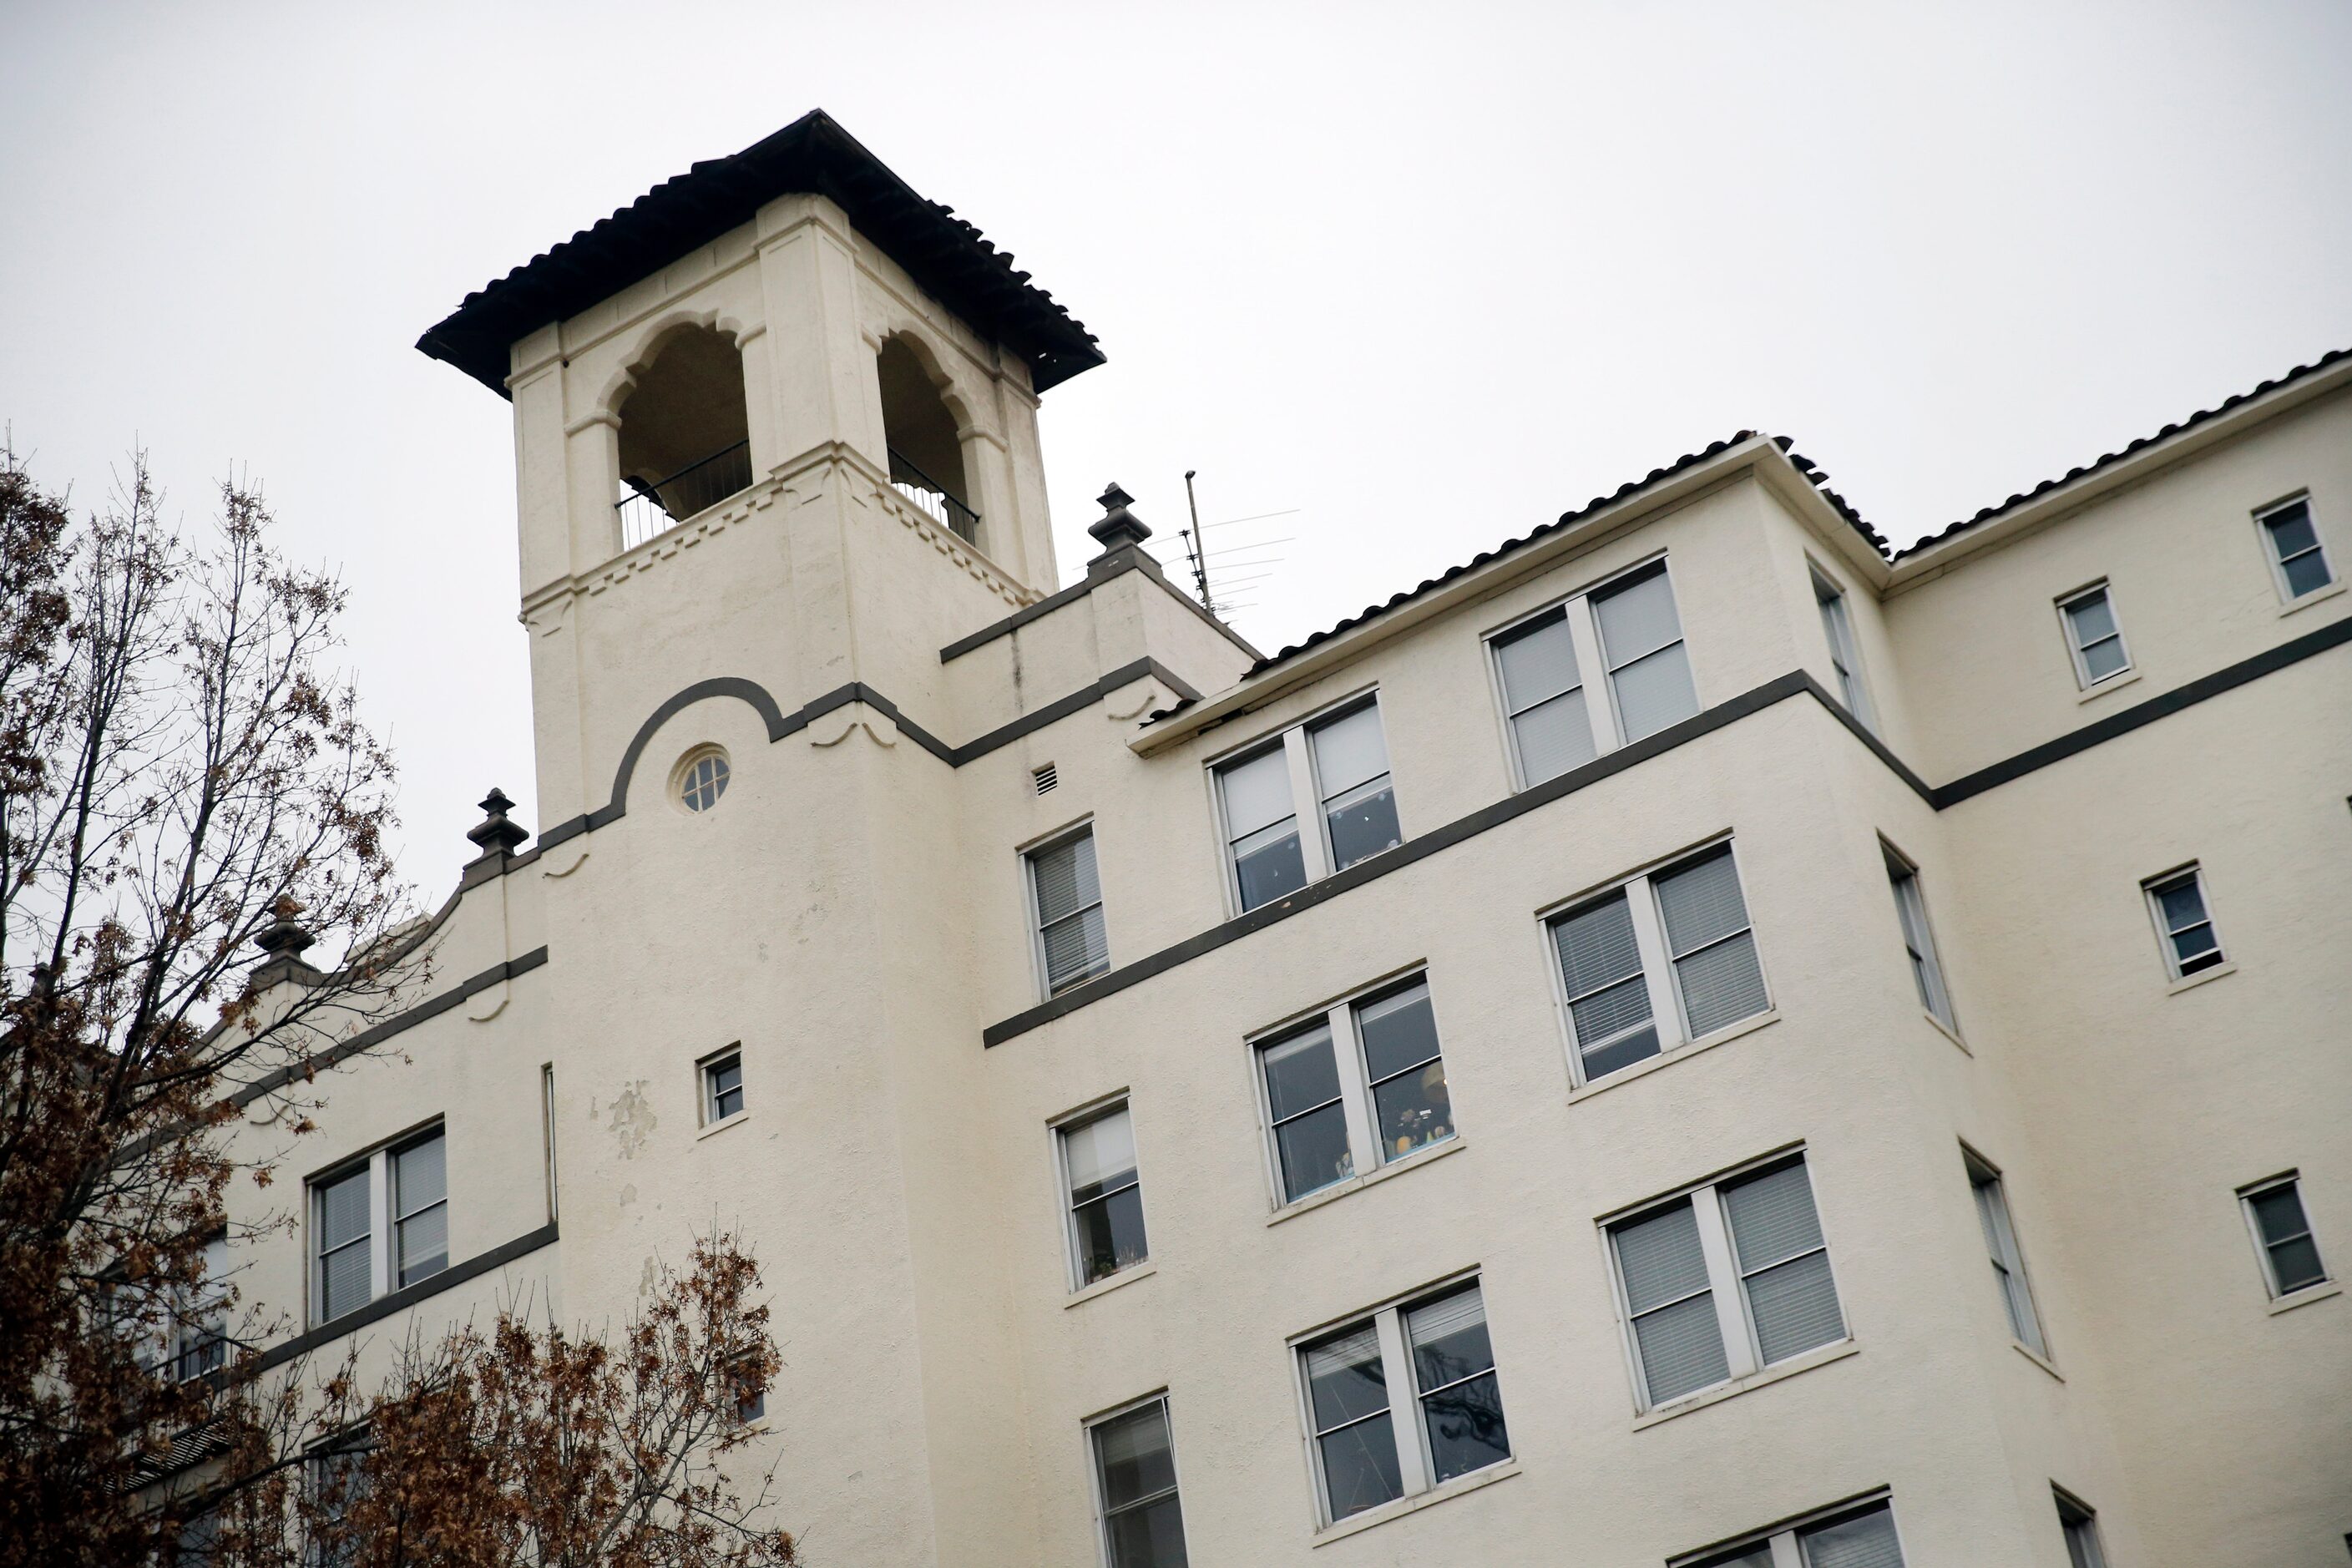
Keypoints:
pixel 1725 1282
pixel 2246 1196
pixel 1355 1085
pixel 706 1088
pixel 1101 1501
pixel 1067 834
pixel 2194 871
pixel 2074 650
pixel 1306 789
pixel 1057 1129
pixel 1846 649
pixel 2006 1253
pixel 1592 672
pixel 1658 973
pixel 2270 548
pixel 1414 1466
pixel 381 1240
pixel 2078 1527
pixel 1781 1539
pixel 1910 892
pixel 547 1130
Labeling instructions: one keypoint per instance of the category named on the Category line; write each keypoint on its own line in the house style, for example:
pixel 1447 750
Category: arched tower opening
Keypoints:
pixel 926 455
pixel 685 438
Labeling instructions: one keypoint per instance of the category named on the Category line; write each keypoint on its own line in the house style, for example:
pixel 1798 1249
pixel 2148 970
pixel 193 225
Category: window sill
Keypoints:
pixel 2305 1297
pixel 1104 1287
pixel 2199 978
pixel 1946 1030
pixel 1667 1058
pixel 1723 1391
pixel 2112 683
pixel 2316 597
pixel 2037 1358
pixel 1356 1523
pixel 721 1125
pixel 1321 1196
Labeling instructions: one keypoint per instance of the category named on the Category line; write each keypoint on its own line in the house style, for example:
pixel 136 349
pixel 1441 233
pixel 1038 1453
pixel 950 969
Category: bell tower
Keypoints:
pixel 775 420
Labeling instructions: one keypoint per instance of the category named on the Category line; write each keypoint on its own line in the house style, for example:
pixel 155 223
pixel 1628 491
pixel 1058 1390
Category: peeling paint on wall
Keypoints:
pixel 633 1119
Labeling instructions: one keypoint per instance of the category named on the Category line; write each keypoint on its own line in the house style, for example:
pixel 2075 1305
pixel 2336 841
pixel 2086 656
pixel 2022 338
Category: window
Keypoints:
pixel 1066 897
pixel 1366 1076
pixel 1858 1537
pixel 722 1085
pixel 702 779
pixel 378 1225
pixel 1911 914
pixel 1838 627
pixel 1626 627
pixel 749 1390
pixel 1377 1437
pixel 2093 638
pixel 2297 559
pixel 2080 1525
pixel 2185 932
pixel 1339 767
pixel 2282 1234
pixel 1657 963
pixel 2008 1263
pixel 193 1338
pixel 1135 1485
pixel 335 1479
pixel 1724 1280
pixel 1106 1200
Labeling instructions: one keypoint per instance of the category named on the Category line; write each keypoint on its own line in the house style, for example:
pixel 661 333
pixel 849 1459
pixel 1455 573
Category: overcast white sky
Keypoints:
pixel 1431 273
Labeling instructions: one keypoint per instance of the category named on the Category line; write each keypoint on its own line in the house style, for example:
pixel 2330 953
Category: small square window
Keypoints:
pixel 2298 560
pixel 2093 639
pixel 722 1087
pixel 2183 924
pixel 2290 1253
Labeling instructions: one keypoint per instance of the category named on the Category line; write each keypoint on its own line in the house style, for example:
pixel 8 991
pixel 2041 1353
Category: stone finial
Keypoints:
pixel 285 938
pixel 494 832
pixel 1118 527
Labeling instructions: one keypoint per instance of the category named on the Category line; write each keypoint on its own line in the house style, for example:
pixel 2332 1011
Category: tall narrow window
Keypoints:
pixel 420 1209
pixel 199 1338
pixel 1641 644
pixel 1106 1197
pixel 2297 558
pixel 1663 960
pixel 1837 627
pixel 1331 774
pixel 1543 697
pixel 1851 1536
pixel 1918 941
pixel 2080 1527
pixel 1724 1280
pixel 1065 896
pixel 2007 1262
pixel 340 1228
pixel 1403 1400
pixel 1361 1086
pixel 1135 1477
pixel 2183 927
pixel 2290 1253
pixel 547 1130
pixel 2093 638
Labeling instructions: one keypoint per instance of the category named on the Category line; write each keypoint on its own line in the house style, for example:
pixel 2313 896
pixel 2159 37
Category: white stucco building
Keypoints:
pixel 1689 1039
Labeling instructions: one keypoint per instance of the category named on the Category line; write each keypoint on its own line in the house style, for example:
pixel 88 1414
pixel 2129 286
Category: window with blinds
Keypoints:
pixel 1134 1487
pixel 1918 941
pixel 1852 1535
pixel 1627 632
pixel 2000 1245
pixel 1402 1401
pixel 1724 1280
pixel 1065 902
pixel 1666 958
pixel 1331 774
pixel 1105 1194
pixel 379 1225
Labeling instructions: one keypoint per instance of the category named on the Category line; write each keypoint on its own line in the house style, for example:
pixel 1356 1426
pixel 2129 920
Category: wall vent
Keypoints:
pixel 1044 778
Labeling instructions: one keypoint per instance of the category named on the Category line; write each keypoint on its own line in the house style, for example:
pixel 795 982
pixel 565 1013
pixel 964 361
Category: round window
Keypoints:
pixel 702 779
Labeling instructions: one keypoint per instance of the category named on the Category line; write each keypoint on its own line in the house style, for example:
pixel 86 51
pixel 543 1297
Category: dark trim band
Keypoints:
pixel 1102 570
pixel 407 1296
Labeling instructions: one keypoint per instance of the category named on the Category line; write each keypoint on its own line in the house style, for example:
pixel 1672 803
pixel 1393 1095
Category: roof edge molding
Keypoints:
pixel 813 155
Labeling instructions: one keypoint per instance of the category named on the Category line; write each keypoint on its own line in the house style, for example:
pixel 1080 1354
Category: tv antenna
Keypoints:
pixel 1198 556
